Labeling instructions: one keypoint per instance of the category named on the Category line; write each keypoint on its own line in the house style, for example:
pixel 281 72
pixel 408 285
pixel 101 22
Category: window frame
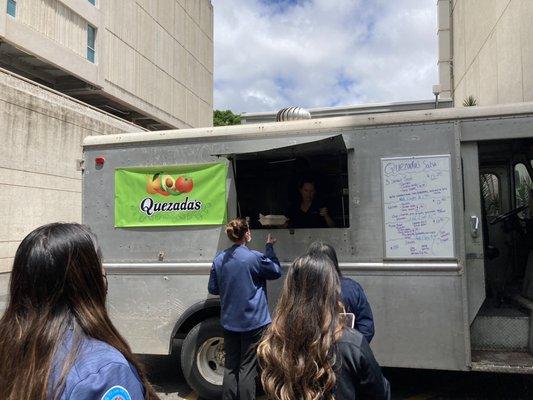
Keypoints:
pixel 11 6
pixel 321 146
pixel 91 51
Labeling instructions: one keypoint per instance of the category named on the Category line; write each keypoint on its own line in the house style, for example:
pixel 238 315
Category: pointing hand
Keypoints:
pixel 271 239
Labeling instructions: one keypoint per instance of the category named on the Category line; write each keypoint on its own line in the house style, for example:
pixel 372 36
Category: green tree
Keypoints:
pixel 223 118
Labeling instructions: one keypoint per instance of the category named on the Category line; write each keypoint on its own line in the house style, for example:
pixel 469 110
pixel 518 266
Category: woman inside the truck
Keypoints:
pixel 310 190
pixel 308 211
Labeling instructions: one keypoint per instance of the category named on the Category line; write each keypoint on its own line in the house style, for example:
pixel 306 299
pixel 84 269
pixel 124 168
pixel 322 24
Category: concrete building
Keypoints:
pixel 147 61
pixel 41 132
pixel 73 68
pixel 486 50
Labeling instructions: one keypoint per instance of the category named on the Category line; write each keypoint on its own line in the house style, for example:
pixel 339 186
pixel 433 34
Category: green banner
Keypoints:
pixel 193 194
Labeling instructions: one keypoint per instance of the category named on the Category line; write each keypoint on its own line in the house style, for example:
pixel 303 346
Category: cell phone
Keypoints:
pixel 349 319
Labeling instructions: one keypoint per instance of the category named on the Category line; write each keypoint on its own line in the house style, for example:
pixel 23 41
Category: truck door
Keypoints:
pixel 474 250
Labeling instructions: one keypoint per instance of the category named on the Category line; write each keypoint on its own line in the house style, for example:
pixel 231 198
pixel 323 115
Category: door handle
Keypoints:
pixel 474 226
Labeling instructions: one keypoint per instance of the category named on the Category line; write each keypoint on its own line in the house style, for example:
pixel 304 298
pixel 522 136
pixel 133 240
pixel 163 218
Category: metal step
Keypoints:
pixel 502 361
pixel 497 329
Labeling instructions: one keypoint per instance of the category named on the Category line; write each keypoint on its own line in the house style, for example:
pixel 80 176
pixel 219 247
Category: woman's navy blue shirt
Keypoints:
pixel 355 301
pixel 239 276
pixel 306 219
pixel 99 372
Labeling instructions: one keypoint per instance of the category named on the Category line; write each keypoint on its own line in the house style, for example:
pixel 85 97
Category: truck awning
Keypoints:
pixel 331 145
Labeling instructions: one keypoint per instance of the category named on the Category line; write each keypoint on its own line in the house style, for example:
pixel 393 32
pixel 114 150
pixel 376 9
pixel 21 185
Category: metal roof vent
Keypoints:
pixel 292 114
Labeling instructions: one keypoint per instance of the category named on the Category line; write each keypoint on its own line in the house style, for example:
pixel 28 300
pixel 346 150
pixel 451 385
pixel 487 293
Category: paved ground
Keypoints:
pixel 406 384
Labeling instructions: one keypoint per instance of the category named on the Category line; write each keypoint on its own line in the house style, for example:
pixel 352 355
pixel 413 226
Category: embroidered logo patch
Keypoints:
pixel 116 393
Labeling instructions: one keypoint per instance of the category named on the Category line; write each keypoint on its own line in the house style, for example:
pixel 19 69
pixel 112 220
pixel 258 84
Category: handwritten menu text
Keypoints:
pixel 417 207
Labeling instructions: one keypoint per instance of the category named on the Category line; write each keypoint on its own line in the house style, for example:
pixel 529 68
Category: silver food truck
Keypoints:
pixel 431 217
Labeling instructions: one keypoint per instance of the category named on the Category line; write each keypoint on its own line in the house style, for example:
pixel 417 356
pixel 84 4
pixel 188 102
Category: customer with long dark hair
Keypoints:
pixel 307 353
pixel 56 338
pixel 352 293
pixel 239 276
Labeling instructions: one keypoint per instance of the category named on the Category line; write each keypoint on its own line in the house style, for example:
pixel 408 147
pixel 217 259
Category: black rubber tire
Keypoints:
pixel 202 332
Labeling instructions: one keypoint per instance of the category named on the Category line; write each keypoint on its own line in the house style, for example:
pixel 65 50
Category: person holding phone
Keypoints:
pixel 239 276
pixel 56 339
pixel 352 293
pixel 307 352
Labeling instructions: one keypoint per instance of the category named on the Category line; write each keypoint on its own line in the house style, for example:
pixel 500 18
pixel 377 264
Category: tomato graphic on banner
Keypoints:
pixel 190 194
pixel 165 184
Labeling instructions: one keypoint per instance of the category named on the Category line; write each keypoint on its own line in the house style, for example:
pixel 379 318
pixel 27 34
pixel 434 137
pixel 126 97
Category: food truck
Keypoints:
pixel 430 212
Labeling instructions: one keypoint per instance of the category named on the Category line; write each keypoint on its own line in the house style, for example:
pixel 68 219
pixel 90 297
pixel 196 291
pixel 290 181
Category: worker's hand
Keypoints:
pixel 271 239
pixel 323 211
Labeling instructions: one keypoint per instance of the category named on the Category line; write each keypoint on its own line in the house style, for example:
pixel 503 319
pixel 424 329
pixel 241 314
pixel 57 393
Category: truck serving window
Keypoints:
pixel 300 186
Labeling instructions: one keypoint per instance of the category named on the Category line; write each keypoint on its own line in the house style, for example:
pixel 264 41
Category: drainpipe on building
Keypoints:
pixel 444 90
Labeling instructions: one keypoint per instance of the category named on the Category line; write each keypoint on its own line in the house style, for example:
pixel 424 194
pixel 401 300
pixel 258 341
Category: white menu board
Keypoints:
pixel 417 207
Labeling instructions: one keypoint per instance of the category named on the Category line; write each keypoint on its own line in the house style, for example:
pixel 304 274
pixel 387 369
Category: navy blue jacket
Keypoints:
pixel 239 276
pixel 355 301
pixel 99 372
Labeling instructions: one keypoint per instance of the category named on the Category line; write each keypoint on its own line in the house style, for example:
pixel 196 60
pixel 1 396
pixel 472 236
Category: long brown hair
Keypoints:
pixel 57 284
pixel 297 352
pixel 236 229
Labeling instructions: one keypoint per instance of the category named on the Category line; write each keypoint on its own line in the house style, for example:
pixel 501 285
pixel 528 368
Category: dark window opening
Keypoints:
pixel 523 186
pixel 490 190
pixel 91 43
pixel 12 8
pixel 306 183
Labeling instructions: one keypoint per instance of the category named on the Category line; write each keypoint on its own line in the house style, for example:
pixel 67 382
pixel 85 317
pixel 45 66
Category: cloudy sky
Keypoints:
pixel 271 54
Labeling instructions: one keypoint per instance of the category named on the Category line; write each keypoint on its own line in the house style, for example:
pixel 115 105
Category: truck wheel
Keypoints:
pixel 202 358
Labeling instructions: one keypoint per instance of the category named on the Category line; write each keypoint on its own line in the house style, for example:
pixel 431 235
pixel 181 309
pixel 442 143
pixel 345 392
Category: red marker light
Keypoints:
pixel 99 161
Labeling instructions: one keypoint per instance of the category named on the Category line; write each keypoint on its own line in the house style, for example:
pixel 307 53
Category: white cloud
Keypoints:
pixel 315 53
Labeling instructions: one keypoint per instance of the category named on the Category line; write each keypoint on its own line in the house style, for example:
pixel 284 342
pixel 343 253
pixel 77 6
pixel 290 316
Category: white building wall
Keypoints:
pixel 493 51
pixel 161 53
pixel 55 21
pixel 41 134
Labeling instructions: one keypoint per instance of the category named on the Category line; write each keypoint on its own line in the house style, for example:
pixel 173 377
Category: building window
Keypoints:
pixel 93 2
pixel 12 7
pixel 91 39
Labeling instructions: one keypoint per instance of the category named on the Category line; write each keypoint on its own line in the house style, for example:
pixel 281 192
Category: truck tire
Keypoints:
pixel 202 358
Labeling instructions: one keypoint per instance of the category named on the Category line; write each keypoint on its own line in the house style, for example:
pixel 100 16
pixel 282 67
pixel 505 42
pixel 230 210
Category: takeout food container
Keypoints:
pixel 272 220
